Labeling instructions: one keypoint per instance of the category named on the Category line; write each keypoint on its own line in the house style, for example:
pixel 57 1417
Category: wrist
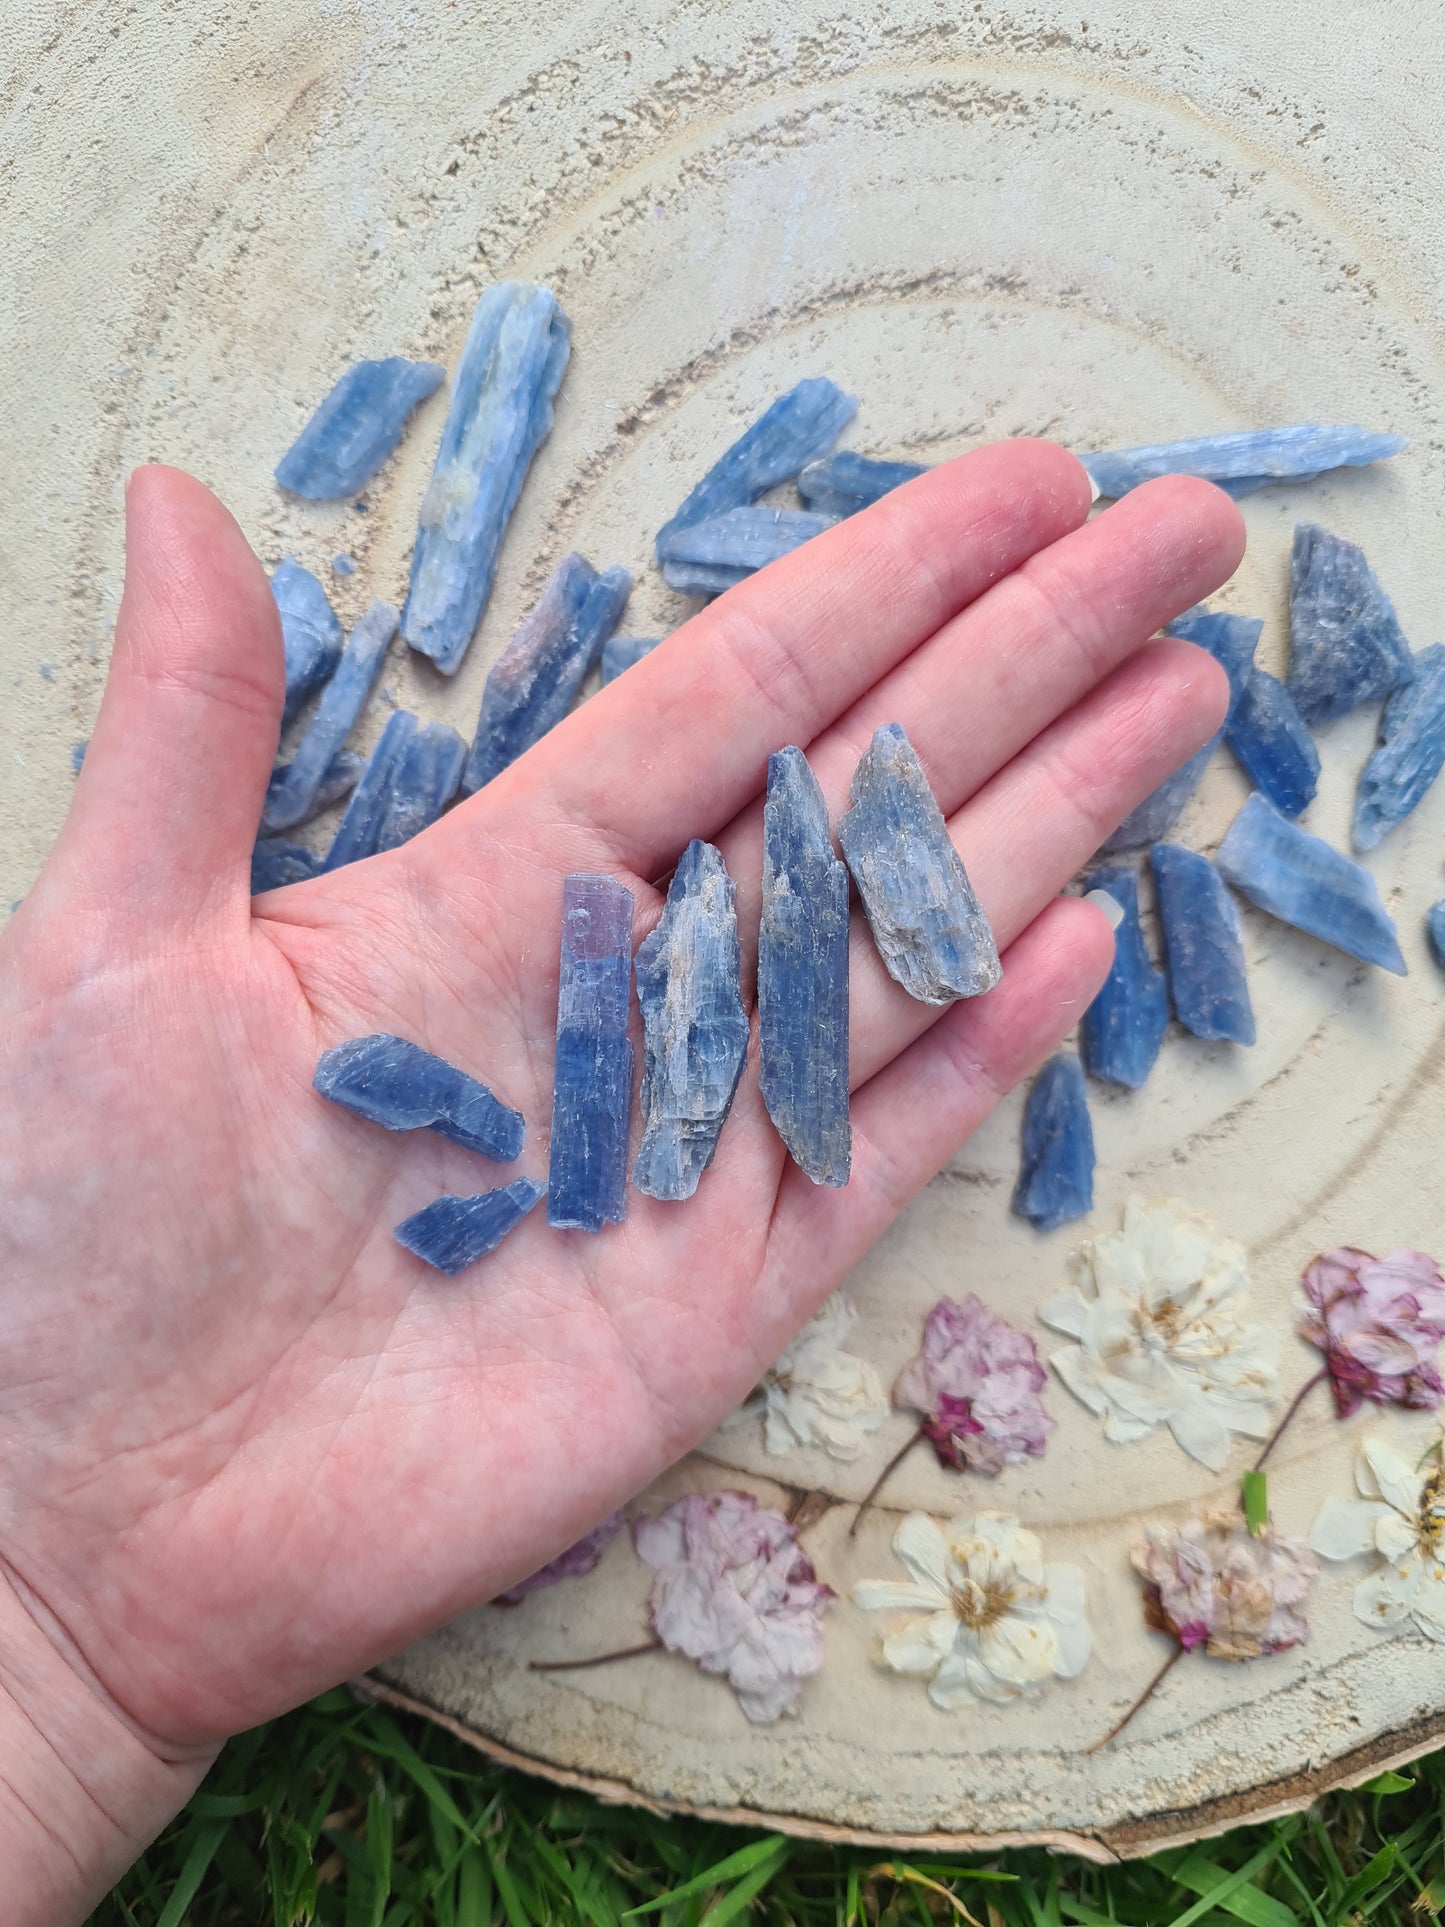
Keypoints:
pixel 82 1790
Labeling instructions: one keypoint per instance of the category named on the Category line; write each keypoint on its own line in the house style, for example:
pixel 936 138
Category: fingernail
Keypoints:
pixel 1113 910
pixel 1094 490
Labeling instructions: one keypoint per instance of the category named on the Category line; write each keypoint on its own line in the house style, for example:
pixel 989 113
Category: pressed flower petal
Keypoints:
pixel 897 1596
pixel 918 1649
pixel 1067 1313
pixel 1395 1478
pixel 1344 1528
pixel 1074 1646
pixel 1201 1434
pixel 1019 1652
pixel 1396 1539
pixel 1385 1598
pixel 960 1679
pixel 919 1545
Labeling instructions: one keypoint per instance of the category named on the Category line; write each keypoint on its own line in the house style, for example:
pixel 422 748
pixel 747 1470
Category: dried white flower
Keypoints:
pixel 1160 1332
pixel 1401 1517
pixel 818 1394
pixel 999 1623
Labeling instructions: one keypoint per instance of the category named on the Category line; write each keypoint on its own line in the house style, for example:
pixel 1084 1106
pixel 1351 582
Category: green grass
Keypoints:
pixel 345 1814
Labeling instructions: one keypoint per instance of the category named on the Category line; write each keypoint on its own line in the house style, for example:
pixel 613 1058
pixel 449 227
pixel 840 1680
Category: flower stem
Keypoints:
pixel 596 1659
pixel 877 1486
pixel 1295 1403
pixel 1143 1700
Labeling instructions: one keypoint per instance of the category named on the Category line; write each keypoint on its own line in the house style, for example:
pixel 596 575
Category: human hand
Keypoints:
pixel 251 1445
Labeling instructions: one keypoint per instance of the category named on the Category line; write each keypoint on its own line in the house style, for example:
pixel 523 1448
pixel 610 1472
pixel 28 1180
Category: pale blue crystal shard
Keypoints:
pixel 342 701
pixel 803 974
pixel 740 541
pixel 1345 642
pixel 799 427
pixel 1241 463
pixel 339 779
pixel 343 564
pixel 1204 945
pixel 695 1030
pixel 77 755
pixel 411 776
pixel 1124 1026
pixel 1273 743
pixel 624 652
pixel 534 682
pixel 275 863
pixel 310 631
pixel 1411 751
pixel 500 414
pixel 843 483
pixel 592 1082
pixel 402 1087
pixel 451 1233
pixel 930 930
pixel 1056 1175
pixel 356 427
pixel 1302 880
pixel 1435 925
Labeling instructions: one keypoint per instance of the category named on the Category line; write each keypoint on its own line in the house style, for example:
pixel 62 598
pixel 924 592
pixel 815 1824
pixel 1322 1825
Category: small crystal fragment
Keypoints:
pixel 1204 944
pixel 275 863
pixel 339 779
pixel 402 1087
pixel 534 682
pixel 500 414
pixel 1345 642
pixel 342 701
pixel 803 974
pixel 451 1233
pixel 343 564
pixel 739 541
pixel 843 483
pixel 77 755
pixel 1056 1177
pixel 1411 751
pixel 356 427
pixel 799 427
pixel 1273 743
pixel 592 1085
pixel 1435 926
pixel 695 1030
pixel 931 933
pixel 624 652
pixel 1124 1026
pixel 1241 463
pixel 310 631
pixel 1301 880
pixel 410 778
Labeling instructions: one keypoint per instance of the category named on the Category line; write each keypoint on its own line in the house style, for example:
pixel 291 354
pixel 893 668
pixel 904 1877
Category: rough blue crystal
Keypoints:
pixel 592 1083
pixel 1124 1026
pixel 1345 641
pixel 310 631
pixel 411 776
pixel 624 652
pixel 402 1087
pixel 1273 743
pixel 843 483
pixel 534 682
pixel 356 427
pixel 930 930
pixel 803 974
pixel 740 541
pixel 275 864
pixel 695 1030
pixel 1204 945
pixel 343 564
pixel 1241 463
pixel 1411 751
pixel 1435 925
pixel 342 701
pixel 1056 1175
pixel 500 414
pixel 451 1233
pixel 1302 880
pixel 799 427
pixel 77 755
pixel 338 779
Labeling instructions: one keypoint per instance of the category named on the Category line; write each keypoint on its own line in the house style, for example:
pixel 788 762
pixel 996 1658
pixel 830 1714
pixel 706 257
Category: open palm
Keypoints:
pixel 251 1444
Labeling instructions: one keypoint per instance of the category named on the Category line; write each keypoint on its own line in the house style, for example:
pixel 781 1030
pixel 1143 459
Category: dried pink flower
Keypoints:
pixel 571 1564
pixel 735 1592
pixel 1378 1322
pixel 1212 1583
pixel 976 1381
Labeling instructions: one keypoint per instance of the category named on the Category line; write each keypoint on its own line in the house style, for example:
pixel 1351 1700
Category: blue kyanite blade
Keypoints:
pixel 592 1082
pixel 310 631
pixel 1273 743
pixel 1411 751
pixel 1241 463
pixel 695 1030
pixel 740 540
pixel 451 1233
pixel 501 412
pixel 77 755
pixel 930 930
pixel 275 864
pixel 402 1087
pixel 1435 926
pixel 1204 945
pixel 357 832
pixel 534 682
pixel 1302 880
pixel 356 427
pixel 624 652
pixel 1056 1173
pixel 843 483
pixel 1346 646
pixel 339 779
pixel 798 428
pixel 410 778
pixel 1124 1026
pixel 803 974
pixel 342 701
